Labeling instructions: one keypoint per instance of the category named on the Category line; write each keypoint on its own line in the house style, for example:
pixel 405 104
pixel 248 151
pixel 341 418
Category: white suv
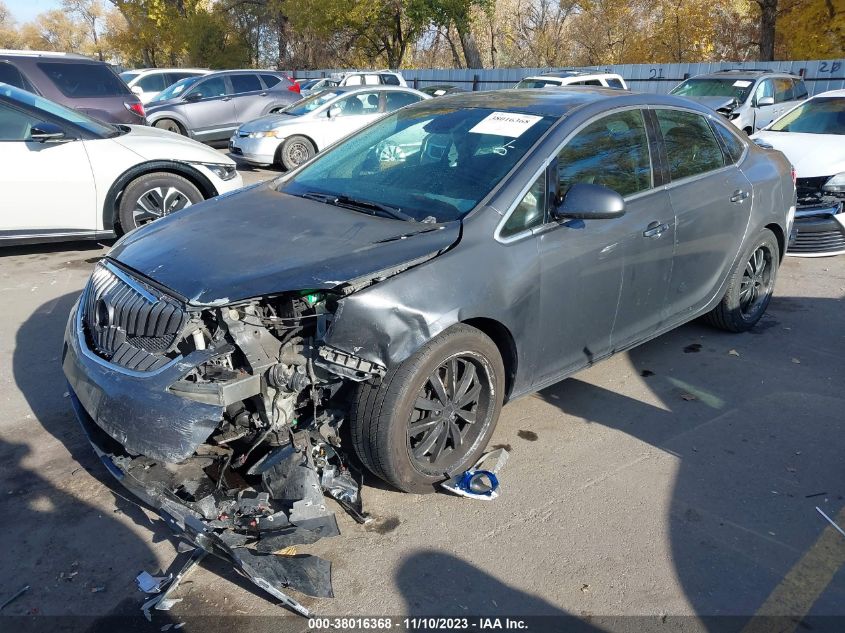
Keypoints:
pixel 148 82
pixel 371 78
pixel 573 78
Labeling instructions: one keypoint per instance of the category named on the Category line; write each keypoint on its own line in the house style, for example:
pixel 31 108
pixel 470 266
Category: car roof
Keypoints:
pixel 53 56
pixel 744 73
pixel 370 88
pixel 555 102
pixel 563 74
pixel 167 70
pixel 831 93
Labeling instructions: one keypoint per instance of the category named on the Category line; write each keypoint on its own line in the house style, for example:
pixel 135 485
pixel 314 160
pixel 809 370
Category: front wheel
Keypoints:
pixel 295 151
pixel 433 415
pixel 153 196
pixel 750 286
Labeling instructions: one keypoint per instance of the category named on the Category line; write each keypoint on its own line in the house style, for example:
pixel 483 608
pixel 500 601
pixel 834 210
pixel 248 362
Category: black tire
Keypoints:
pixel 152 196
pixel 749 289
pixel 295 151
pixel 749 131
pixel 170 125
pixel 382 413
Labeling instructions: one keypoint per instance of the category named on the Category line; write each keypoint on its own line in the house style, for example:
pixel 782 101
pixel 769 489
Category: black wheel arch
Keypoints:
pixel 781 238
pixel 504 341
pixel 185 170
pixel 305 136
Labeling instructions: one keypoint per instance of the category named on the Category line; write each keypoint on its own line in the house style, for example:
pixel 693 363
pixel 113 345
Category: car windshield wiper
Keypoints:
pixel 367 206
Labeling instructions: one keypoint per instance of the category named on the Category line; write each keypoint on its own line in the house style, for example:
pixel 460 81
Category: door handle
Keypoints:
pixel 262 94
pixel 226 99
pixel 655 229
pixel 739 195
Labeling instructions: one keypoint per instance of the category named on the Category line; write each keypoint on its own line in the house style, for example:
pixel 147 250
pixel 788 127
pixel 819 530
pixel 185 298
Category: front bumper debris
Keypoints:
pixel 244 530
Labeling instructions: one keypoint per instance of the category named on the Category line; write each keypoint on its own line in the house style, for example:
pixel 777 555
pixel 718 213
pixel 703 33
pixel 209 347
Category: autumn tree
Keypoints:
pixel 54 30
pixel 9 36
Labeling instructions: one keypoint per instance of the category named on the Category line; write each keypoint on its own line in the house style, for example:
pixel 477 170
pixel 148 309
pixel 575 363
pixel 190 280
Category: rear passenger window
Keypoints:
pixel 390 80
pixel 799 89
pixel 245 83
pixel 270 80
pixel 733 146
pixel 615 83
pixel 81 81
pixel 691 147
pixel 612 151
pixel 783 90
pixel 396 100
pixel 12 76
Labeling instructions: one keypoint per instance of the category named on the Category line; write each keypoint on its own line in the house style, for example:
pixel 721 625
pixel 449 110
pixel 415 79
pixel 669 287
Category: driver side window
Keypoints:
pixel 214 87
pixel 612 151
pixel 14 124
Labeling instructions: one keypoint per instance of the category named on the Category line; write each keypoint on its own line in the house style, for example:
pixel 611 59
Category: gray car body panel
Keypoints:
pixel 215 118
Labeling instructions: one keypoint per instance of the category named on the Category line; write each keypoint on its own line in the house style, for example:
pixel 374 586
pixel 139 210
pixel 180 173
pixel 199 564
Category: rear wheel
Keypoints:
pixel 295 151
pixel 433 415
pixel 170 125
pixel 153 196
pixel 750 286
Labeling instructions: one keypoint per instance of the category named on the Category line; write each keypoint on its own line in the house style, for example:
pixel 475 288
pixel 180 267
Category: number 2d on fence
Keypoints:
pixel 829 67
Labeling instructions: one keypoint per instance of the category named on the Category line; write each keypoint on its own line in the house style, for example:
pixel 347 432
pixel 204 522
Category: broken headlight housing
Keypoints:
pixel 223 171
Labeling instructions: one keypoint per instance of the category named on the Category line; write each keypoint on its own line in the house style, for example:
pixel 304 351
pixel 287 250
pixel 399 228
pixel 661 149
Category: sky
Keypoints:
pixel 25 10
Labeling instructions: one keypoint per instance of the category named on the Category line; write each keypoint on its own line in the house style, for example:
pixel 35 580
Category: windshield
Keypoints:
pixel 311 103
pixel 425 163
pixel 129 75
pixel 176 89
pixel 538 83
pixel 821 115
pixel 98 128
pixel 739 89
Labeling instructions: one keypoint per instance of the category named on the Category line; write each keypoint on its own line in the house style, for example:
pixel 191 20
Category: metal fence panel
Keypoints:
pixel 819 75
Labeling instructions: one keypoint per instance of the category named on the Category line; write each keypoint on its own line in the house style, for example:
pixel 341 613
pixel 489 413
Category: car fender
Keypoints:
pixel 168 114
pixel 182 169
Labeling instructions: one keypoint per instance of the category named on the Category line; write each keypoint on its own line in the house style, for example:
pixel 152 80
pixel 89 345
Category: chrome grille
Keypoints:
pixel 128 322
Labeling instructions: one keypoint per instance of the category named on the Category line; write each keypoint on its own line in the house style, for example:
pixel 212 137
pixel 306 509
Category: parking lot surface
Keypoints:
pixel 680 478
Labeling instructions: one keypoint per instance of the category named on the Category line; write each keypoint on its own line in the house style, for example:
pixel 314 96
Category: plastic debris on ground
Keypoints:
pixel 481 481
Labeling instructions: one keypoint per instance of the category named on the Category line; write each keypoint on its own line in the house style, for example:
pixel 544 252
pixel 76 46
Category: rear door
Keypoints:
pixel 48 188
pixel 249 95
pixel 212 115
pixel 711 199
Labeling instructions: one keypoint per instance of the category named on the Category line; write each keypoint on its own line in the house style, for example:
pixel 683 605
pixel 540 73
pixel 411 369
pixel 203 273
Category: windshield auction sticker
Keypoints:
pixel 505 124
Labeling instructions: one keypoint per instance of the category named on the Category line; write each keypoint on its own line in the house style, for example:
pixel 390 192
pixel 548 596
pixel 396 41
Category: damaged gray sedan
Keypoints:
pixel 233 361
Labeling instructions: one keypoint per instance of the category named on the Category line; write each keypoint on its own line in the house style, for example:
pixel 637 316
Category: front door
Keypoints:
pixel 209 109
pixel 48 188
pixel 711 201
pixel 603 282
pixel 764 114
pixel 349 115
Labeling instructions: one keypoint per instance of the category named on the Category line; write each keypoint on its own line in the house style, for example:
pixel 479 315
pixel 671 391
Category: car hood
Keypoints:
pixel 151 143
pixel 259 241
pixel 271 122
pixel 714 103
pixel 810 154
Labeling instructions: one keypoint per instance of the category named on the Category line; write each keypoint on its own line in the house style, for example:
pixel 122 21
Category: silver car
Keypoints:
pixel 750 99
pixel 297 133
pixel 211 107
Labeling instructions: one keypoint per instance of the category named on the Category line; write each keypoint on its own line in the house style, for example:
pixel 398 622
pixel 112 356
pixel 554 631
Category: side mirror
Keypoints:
pixel 46 133
pixel 334 112
pixel 192 97
pixel 584 201
pixel 137 90
pixel 765 101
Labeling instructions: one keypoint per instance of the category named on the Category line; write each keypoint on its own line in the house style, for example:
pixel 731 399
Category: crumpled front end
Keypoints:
pixel 225 419
pixel 819 219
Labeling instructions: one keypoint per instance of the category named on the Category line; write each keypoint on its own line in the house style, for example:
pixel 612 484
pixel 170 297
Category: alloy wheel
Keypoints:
pixel 158 202
pixel 756 284
pixel 450 413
